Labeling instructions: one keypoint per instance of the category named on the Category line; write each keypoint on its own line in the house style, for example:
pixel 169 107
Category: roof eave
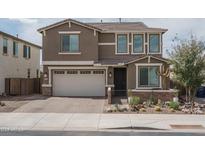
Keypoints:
pixel 40 30
pixel 19 39
pixel 134 31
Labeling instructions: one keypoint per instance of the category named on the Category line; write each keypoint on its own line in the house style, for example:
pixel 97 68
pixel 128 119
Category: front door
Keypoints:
pixel 120 81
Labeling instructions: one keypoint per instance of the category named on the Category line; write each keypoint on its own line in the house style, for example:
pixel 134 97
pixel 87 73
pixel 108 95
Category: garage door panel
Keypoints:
pixel 79 84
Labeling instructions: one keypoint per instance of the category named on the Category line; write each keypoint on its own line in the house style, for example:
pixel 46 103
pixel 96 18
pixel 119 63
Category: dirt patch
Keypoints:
pixel 187 126
pixel 11 103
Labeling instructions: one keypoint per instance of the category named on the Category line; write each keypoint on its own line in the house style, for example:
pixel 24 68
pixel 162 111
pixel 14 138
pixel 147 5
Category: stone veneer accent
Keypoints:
pixel 47 91
pixel 164 95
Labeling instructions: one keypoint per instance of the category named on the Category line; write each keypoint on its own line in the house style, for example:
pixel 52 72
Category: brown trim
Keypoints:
pixel 157 58
pixel 67 21
pixel 95 26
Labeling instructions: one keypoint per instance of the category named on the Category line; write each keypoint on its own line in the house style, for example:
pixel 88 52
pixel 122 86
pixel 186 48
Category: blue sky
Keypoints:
pixel 183 28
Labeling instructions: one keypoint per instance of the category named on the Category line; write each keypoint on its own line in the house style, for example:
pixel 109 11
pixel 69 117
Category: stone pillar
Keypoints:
pixel 109 95
pixel 46 91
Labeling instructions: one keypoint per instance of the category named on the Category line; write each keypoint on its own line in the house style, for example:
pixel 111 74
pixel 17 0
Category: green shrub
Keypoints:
pixel 174 105
pixel 129 93
pixel 134 100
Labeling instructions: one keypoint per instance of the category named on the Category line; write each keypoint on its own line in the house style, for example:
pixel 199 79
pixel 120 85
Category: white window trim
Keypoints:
pixel 68 62
pixel 160 44
pixel 69 53
pixel 112 43
pixel 69 32
pixel 133 44
pixel 116 40
pixel 145 64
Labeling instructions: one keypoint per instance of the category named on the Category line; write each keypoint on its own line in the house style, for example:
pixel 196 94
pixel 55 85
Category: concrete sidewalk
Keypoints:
pixel 97 122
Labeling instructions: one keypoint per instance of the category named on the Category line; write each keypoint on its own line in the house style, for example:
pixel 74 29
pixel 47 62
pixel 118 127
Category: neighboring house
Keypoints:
pixel 84 59
pixel 18 59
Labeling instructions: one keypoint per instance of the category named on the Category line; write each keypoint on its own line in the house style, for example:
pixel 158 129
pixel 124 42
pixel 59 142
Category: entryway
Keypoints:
pixel 120 81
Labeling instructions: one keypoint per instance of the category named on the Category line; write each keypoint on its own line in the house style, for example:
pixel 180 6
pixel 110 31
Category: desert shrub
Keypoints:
pixel 158 108
pixel 134 101
pixel 152 100
pixel 129 93
pixel 174 105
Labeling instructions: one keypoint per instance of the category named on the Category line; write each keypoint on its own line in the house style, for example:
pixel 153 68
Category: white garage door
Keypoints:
pixel 79 83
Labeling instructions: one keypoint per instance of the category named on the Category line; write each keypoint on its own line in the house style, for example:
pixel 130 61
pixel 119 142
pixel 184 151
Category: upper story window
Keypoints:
pixel 138 43
pixel 5 46
pixel 122 43
pixel 154 43
pixel 27 52
pixel 70 43
pixel 15 49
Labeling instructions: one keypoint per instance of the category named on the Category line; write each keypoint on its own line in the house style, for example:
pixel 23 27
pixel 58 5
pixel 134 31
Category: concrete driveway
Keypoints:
pixel 40 104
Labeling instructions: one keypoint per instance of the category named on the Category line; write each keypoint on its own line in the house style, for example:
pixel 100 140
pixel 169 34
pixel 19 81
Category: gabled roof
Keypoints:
pixel 18 39
pixel 109 26
pixel 148 56
pixel 128 60
pixel 67 21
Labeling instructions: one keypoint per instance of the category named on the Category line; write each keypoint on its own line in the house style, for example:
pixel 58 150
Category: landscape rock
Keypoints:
pixel 2 103
pixel 198 111
pixel 202 106
pixel 144 103
pixel 143 110
pixel 185 110
pixel 123 108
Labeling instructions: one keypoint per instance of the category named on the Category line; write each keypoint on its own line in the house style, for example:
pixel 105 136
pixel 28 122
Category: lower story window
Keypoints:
pixel 148 76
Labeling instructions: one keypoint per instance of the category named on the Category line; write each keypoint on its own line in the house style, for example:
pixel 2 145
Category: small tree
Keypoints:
pixel 188 61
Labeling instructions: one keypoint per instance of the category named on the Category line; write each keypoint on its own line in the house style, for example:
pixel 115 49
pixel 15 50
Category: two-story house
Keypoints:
pixel 18 59
pixel 84 59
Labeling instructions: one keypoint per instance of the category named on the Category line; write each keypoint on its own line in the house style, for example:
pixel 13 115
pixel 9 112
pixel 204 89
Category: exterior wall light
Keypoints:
pixel 45 75
pixel 110 74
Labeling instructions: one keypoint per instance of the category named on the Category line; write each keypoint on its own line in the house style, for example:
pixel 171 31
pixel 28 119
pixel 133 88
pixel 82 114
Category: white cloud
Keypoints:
pixel 25 20
pixel 28 28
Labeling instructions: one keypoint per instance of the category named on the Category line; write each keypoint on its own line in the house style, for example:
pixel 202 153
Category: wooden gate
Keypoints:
pixel 22 86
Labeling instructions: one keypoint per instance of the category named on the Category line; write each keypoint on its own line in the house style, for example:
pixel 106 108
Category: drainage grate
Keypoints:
pixel 187 126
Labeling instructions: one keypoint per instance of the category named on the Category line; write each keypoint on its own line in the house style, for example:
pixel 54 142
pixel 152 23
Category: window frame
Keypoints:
pixel 7 46
pixel 148 65
pixel 116 42
pixel 159 45
pixel 14 49
pixel 143 45
pixel 61 44
pixel 28 52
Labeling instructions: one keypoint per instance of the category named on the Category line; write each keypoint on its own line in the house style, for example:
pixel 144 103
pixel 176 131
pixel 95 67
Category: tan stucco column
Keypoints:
pixel 109 95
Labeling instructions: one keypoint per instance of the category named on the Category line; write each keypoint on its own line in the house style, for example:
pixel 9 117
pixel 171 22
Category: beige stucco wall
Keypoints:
pixel 16 67
pixel 88 44
pixel 131 74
